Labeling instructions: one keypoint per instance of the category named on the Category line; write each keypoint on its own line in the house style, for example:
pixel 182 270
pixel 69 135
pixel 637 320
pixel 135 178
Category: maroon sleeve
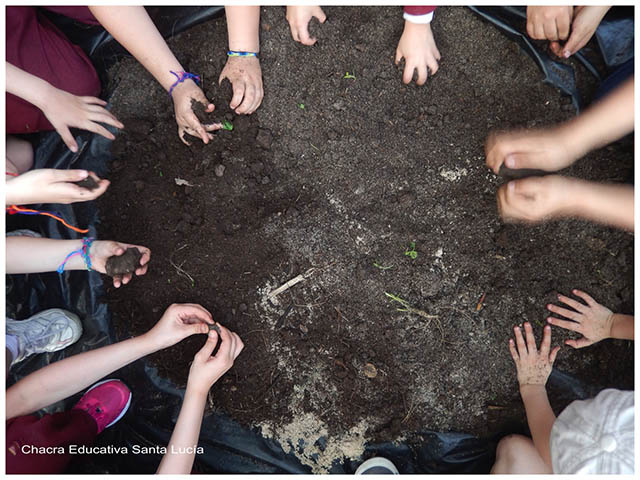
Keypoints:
pixel 418 10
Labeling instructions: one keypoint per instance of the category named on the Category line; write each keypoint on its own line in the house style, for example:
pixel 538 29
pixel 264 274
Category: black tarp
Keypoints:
pixel 229 447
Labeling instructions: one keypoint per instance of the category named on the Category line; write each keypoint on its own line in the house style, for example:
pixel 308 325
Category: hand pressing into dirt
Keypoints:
pixel 183 95
pixel 245 76
pixel 594 321
pixel 419 50
pixel 206 369
pixel 584 24
pixel 546 149
pixel 178 322
pixel 65 110
pixel 102 250
pixel 51 185
pixel 535 199
pixel 549 22
pixel 533 366
pixel 299 17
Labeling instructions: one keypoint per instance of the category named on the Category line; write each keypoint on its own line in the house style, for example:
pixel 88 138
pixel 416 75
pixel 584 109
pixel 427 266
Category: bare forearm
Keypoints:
pixel 610 204
pixel 185 435
pixel 67 377
pixel 134 30
pixel 606 121
pixel 243 23
pixel 622 327
pixel 540 417
pixel 26 86
pixel 37 255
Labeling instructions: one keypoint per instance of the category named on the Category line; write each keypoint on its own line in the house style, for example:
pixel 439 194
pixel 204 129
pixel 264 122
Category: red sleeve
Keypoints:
pixel 418 10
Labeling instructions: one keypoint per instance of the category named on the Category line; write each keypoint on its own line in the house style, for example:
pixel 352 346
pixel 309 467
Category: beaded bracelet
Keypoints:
pixel 233 53
pixel 182 76
pixel 82 251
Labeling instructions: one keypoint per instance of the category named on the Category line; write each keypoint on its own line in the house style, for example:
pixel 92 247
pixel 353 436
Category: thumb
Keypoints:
pixel 320 15
pixel 556 48
pixel 70 175
pixel 573 44
pixel 197 328
pixel 398 56
pixel 553 355
pixel 207 349
pixel 579 343
pixel 519 160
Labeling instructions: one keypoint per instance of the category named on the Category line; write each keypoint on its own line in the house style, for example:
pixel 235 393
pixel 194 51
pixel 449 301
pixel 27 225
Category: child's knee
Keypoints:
pixel 19 155
pixel 512 445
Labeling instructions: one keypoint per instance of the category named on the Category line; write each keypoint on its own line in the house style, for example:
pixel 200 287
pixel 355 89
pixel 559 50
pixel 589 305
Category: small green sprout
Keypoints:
pixel 349 75
pixel 301 106
pixel 227 125
pixel 381 267
pixel 411 251
pixel 160 173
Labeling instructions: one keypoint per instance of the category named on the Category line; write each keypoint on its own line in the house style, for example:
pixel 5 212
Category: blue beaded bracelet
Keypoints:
pixel 232 53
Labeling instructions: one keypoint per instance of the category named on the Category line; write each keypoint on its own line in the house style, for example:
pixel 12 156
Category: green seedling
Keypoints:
pixel 160 173
pixel 411 251
pixel 301 106
pixel 381 267
pixel 349 75
pixel 227 125
pixel 406 306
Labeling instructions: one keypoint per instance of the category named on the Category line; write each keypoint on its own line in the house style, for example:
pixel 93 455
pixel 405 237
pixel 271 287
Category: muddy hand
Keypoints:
pixel 187 121
pixel 533 365
pixel 245 76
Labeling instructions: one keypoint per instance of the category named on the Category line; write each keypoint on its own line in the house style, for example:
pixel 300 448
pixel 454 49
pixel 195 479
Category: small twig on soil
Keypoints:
pixel 181 271
pixel 287 285
pixel 481 302
pixel 409 412
pixel 495 407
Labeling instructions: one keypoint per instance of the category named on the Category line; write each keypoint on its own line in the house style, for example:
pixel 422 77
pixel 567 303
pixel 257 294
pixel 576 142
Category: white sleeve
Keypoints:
pixel 422 19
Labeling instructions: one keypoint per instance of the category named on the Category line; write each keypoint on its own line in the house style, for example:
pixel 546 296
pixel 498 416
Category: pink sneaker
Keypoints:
pixel 107 402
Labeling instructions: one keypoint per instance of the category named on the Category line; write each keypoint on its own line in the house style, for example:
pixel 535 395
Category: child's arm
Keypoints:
pixel 594 321
pixel 37 255
pixel 52 185
pixel 417 46
pixel 534 368
pixel 205 371
pixel 132 27
pixel 536 199
pixel 554 148
pixel 299 17
pixel 243 72
pixel 67 377
pixel 61 108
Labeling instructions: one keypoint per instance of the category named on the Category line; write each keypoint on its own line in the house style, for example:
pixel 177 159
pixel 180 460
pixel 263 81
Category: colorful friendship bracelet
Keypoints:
pixel 182 76
pixel 233 53
pixel 82 251
pixel 12 174
pixel 14 209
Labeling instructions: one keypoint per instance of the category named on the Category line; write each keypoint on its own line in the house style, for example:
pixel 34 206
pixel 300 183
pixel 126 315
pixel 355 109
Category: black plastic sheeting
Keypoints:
pixel 229 447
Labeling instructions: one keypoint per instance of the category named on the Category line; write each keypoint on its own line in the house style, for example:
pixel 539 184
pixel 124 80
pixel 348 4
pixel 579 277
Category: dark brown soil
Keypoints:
pixel 338 190
pixel 88 183
pixel 128 262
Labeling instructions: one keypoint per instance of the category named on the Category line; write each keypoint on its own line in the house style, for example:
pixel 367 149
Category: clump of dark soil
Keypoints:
pixel 337 191
pixel 128 262
pixel 88 183
pixel 200 112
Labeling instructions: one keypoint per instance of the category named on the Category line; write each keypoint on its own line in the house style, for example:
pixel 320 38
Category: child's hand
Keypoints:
pixel 245 76
pixel 187 121
pixel 535 199
pixel 418 48
pixel 533 366
pixel 51 185
pixel 65 110
pixel 205 369
pixel 584 24
pixel 549 22
pixel 178 322
pixel 542 149
pixel 101 250
pixel 593 321
pixel 299 17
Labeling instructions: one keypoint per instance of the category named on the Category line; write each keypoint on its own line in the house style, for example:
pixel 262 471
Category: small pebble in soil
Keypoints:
pixel 265 180
pixel 242 307
pixel 182 227
pixel 125 263
pixel 264 138
pixel 138 185
pixel 219 170
pixel 370 370
pixel 303 328
pixel 89 183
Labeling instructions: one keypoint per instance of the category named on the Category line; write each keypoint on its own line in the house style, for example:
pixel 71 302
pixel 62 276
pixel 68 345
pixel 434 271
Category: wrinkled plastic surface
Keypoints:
pixel 229 447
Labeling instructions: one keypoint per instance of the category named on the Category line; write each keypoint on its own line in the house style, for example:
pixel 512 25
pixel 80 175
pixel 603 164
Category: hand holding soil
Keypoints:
pixel 583 25
pixel 593 321
pixel 51 185
pixel 102 251
pixel 533 366
pixel 245 76
pixel 178 322
pixel 546 149
pixel 535 199
pixel 65 110
pixel 206 369
pixel 549 22
pixel 183 96
pixel 299 17
pixel 419 50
